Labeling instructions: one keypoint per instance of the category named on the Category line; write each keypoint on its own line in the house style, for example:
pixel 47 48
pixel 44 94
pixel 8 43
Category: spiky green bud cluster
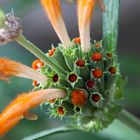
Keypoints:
pixel 91 81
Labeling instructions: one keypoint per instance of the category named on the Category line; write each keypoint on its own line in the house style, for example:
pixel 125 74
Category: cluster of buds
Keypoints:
pixel 89 80
pixel 10 27
pixel 77 79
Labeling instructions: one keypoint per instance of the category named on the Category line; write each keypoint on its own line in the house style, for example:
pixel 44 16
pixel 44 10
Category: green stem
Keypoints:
pixel 124 117
pixel 110 24
pixel 32 48
pixel 129 120
pixel 38 53
pixel 49 132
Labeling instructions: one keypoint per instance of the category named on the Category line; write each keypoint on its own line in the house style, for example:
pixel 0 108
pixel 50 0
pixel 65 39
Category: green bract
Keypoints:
pixel 91 81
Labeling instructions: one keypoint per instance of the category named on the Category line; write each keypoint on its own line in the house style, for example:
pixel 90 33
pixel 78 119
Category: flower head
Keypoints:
pixel 77 78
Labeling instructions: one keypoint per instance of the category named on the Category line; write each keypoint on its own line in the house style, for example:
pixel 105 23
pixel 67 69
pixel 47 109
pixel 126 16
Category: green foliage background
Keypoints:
pixel 130 67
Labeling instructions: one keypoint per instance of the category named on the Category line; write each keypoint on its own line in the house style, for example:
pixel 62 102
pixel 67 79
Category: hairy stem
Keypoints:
pixel 124 117
pixel 129 120
pixel 44 133
pixel 110 24
pixel 38 53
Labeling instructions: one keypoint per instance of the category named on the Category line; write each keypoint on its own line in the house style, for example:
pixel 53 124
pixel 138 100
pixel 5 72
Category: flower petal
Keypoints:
pixel 85 9
pixel 53 9
pixel 11 68
pixel 15 111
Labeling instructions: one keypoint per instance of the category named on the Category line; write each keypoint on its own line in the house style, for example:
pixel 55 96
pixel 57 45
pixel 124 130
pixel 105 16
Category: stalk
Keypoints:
pixel 45 133
pixel 130 120
pixel 39 54
pixel 110 24
pixel 110 36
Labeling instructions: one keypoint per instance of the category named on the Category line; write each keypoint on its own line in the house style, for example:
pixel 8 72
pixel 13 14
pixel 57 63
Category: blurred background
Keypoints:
pixel 37 29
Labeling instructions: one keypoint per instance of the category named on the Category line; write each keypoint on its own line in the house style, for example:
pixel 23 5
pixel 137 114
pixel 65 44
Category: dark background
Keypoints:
pixel 37 28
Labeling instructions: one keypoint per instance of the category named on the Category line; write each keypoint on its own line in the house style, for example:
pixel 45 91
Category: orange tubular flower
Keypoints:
pixel 53 9
pixel 19 108
pixel 11 68
pixel 85 9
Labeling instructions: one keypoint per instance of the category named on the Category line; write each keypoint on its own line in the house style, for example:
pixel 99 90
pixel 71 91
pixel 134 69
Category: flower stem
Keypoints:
pixel 49 132
pixel 129 120
pixel 124 117
pixel 110 24
pixel 32 48
pixel 38 53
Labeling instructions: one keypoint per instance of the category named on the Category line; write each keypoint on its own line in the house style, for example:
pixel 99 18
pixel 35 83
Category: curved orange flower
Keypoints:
pixel 85 10
pixel 11 68
pixel 20 107
pixel 53 9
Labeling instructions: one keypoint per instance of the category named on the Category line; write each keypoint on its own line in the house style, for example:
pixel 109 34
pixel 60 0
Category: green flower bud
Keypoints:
pixel 90 80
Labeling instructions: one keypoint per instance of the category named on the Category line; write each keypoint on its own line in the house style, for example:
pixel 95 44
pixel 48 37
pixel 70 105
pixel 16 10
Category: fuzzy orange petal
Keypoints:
pixel 11 68
pixel 85 9
pixel 15 111
pixel 53 9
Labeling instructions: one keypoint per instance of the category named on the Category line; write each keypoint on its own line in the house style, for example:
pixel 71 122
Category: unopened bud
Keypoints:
pixel 14 25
